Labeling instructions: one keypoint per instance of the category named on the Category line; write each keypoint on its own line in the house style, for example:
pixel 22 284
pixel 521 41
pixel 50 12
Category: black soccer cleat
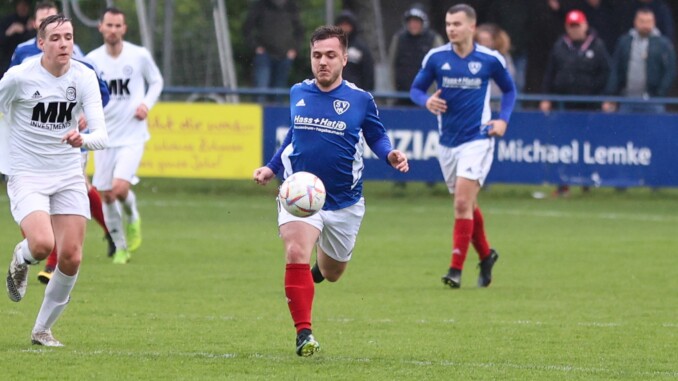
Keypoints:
pixel 111 244
pixel 452 278
pixel 485 276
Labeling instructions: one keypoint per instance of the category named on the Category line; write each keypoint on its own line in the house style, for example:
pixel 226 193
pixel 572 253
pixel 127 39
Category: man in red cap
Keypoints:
pixel 578 65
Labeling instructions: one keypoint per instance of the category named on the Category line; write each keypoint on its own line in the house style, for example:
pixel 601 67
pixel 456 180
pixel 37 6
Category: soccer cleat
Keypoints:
pixel 485 276
pixel 134 235
pixel 45 275
pixel 111 244
pixel 452 278
pixel 121 257
pixel 306 343
pixel 17 276
pixel 45 338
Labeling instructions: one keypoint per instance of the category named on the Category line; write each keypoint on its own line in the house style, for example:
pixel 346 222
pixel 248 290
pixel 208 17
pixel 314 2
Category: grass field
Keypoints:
pixel 586 288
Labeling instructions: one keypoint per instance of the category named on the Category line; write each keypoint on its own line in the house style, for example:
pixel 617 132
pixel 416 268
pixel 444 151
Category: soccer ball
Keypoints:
pixel 302 194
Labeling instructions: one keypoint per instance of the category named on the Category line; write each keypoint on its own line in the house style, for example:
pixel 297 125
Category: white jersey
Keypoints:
pixel 127 77
pixel 39 109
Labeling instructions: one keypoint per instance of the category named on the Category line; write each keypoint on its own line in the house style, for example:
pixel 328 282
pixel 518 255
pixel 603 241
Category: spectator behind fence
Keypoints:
pixel 513 17
pixel 408 48
pixel 274 32
pixel 643 65
pixel 495 38
pixel 662 14
pixel 14 29
pixel 578 64
pixel 605 17
pixel 360 67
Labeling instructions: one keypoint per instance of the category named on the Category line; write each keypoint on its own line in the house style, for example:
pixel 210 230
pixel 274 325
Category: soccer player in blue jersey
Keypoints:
pixel 462 71
pixel 330 119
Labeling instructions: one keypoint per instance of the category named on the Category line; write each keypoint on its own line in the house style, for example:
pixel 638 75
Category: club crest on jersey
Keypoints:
pixel 127 70
pixel 341 106
pixel 70 93
pixel 474 67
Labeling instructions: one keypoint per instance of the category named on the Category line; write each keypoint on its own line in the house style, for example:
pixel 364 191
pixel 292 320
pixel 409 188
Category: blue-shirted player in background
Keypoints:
pixel 462 71
pixel 331 119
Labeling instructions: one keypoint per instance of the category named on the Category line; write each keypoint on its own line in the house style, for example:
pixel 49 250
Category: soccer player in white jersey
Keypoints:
pixel 462 71
pixel 128 69
pixel 46 187
pixel 331 119
pixel 30 50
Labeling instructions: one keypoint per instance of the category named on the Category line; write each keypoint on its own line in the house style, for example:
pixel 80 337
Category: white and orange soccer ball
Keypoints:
pixel 302 194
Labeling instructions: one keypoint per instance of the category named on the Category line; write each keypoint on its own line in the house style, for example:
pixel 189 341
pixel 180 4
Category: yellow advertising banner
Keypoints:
pixel 203 140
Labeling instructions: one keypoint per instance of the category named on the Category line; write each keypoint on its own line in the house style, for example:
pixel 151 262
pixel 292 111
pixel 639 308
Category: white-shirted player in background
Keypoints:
pixel 462 71
pixel 128 69
pixel 46 186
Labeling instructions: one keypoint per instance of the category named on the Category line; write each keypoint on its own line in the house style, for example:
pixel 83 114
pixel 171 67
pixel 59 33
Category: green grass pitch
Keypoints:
pixel 586 288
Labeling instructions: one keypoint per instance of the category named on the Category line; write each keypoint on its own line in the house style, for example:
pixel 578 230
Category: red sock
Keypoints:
pixel 479 239
pixel 95 208
pixel 299 289
pixel 52 259
pixel 463 230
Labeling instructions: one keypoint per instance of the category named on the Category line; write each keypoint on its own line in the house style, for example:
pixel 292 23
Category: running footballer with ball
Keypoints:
pixel 331 119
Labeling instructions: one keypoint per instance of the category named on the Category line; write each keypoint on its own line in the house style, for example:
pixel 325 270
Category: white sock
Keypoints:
pixel 130 207
pixel 25 253
pixel 57 295
pixel 113 219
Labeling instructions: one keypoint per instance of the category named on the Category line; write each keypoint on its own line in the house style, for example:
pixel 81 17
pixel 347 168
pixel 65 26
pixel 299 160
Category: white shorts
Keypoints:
pixel 117 163
pixel 338 228
pixel 65 194
pixel 470 160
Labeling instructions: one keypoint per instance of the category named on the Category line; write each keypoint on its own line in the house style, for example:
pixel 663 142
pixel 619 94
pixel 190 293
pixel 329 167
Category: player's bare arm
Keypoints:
pixel 263 175
pixel 497 127
pixel 436 104
pixel 398 161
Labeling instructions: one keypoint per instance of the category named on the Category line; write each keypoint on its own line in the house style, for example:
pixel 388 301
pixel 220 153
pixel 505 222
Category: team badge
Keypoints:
pixel 341 106
pixel 70 93
pixel 474 67
pixel 127 70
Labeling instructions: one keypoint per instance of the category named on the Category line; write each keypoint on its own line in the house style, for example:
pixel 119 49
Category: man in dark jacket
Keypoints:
pixel 643 65
pixel 273 30
pixel 578 64
pixel 408 48
pixel 360 67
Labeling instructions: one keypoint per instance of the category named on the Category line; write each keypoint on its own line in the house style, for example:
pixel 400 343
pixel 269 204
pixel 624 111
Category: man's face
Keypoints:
pixel 328 59
pixel 414 26
pixel 644 23
pixel 576 32
pixel 113 28
pixel 42 14
pixel 459 28
pixel 57 45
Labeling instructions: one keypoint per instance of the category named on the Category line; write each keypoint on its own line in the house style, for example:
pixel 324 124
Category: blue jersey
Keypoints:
pixel 326 137
pixel 465 84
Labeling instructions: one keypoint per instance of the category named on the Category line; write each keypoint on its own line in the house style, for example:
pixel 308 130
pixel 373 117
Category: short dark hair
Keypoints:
pixel 113 11
pixel 467 9
pixel 329 31
pixel 645 10
pixel 58 19
pixel 45 5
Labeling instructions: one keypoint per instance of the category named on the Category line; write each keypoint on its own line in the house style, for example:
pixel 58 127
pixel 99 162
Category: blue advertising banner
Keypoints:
pixel 577 148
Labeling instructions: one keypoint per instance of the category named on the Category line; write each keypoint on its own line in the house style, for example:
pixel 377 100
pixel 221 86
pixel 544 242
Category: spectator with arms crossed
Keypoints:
pixel 462 71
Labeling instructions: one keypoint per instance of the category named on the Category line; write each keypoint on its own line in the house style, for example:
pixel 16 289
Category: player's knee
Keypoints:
pixel 41 247
pixel 462 206
pixel 295 253
pixel 70 258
